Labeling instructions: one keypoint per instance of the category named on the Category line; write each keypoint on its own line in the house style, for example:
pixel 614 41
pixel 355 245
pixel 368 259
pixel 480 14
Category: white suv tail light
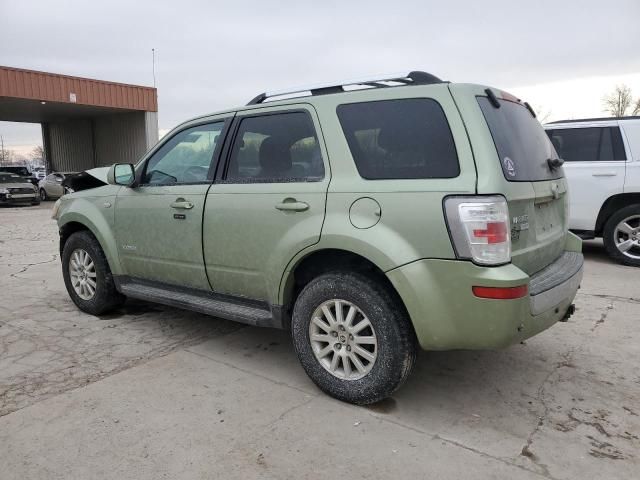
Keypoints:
pixel 479 228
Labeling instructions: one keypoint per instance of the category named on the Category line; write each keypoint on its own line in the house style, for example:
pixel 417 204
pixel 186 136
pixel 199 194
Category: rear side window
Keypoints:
pixel 399 139
pixel 279 147
pixel 521 142
pixel 588 144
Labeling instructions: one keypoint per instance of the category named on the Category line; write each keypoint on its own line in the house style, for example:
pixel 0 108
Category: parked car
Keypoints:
pixel 22 171
pixel 15 190
pixel 39 173
pixel 602 164
pixel 370 222
pixel 52 185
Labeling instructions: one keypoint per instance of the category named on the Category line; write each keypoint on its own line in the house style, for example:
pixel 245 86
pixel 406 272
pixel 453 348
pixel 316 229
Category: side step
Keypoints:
pixel 236 309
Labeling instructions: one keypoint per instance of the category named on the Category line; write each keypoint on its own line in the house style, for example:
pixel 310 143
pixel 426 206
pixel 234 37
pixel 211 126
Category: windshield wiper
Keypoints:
pixel 554 163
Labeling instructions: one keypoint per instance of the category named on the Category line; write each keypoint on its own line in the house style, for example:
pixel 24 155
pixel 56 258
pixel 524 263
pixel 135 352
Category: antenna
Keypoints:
pixel 153 63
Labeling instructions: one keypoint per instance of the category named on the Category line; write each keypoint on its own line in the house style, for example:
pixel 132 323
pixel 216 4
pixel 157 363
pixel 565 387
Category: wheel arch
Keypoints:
pixel 73 222
pixel 613 204
pixel 324 260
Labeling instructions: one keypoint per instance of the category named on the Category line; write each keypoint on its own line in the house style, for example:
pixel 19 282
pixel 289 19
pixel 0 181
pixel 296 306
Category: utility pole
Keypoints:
pixel 2 147
pixel 153 65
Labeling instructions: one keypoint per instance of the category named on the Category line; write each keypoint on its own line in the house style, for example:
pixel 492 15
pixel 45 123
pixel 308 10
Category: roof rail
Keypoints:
pixel 595 119
pixel 411 78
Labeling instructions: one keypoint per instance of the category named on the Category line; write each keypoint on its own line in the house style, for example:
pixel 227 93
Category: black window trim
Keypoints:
pixel 446 118
pixel 215 157
pixel 225 157
pixel 599 146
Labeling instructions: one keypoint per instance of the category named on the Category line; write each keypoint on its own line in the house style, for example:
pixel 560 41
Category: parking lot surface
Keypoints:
pixel 153 392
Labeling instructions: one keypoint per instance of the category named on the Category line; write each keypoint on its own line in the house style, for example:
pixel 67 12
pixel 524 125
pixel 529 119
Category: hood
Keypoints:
pixel 93 178
pixel 17 185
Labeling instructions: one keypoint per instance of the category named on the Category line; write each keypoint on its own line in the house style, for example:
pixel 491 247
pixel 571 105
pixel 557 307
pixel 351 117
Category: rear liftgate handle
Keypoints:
pixel 292 205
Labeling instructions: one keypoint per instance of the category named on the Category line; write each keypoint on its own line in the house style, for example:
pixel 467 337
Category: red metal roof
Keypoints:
pixel 53 87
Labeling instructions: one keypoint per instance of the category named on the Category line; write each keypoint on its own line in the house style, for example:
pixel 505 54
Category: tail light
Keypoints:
pixel 479 228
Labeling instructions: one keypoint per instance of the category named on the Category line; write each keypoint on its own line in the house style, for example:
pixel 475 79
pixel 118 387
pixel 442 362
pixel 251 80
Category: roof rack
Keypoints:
pixel 411 78
pixel 595 119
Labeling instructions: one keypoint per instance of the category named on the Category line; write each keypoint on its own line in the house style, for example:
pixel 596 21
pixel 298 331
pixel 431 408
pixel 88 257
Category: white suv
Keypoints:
pixel 602 165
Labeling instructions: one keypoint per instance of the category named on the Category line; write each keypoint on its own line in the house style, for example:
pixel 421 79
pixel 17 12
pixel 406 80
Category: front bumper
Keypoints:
pixel 447 316
pixel 13 199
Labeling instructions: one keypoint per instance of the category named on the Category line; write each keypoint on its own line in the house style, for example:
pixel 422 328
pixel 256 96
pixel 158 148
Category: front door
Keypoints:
pixel 159 222
pixel 269 201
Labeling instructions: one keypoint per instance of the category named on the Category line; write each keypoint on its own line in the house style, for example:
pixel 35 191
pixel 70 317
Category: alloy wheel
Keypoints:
pixel 626 236
pixel 82 271
pixel 343 339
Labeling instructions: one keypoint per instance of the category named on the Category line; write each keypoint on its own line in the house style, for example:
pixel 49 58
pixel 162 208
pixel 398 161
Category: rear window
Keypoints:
pixel 522 145
pixel 588 144
pixel 399 139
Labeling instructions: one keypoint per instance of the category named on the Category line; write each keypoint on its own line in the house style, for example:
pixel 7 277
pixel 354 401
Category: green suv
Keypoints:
pixel 371 218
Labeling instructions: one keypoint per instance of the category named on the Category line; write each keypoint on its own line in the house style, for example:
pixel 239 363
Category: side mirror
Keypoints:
pixel 121 174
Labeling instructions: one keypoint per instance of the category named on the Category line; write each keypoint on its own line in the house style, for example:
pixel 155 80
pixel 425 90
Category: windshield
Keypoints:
pixel 17 170
pixel 521 142
pixel 10 178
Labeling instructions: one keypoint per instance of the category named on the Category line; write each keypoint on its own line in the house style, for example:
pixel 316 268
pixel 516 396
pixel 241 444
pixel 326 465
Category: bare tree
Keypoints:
pixel 37 153
pixel 542 113
pixel 636 109
pixel 618 102
pixel 7 157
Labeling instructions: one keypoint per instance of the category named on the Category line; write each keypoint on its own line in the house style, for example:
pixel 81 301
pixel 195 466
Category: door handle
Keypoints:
pixel 604 174
pixel 292 205
pixel 182 204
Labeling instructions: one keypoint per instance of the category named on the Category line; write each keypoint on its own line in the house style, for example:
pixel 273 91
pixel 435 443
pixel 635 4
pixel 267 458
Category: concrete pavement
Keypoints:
pixel 154 392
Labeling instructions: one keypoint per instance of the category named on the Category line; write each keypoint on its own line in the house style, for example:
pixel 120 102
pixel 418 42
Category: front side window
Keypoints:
pixel 280 147
pixel 399 139
pixel 588 144
pixel 185 158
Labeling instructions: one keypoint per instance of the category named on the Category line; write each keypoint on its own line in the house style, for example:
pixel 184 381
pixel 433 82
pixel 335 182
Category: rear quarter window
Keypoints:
pixel 588 144
pixel 399 139
pixel 522 145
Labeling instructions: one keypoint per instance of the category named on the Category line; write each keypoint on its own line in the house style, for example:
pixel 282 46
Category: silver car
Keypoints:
pixel 16 190
pixel 51 185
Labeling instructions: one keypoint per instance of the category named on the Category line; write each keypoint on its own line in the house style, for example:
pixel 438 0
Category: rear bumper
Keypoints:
pixel 558 281
pixel 447 316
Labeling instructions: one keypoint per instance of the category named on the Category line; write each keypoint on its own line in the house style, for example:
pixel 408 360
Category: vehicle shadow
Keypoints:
pixel 594 250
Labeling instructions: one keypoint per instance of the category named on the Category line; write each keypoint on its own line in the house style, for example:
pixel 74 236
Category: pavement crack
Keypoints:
pixel 603 316
pixel 527 452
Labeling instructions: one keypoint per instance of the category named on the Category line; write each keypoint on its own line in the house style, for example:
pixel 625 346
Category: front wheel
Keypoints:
pixel 622 235
pixel 43 195
pixel 352 337
pixel 87 275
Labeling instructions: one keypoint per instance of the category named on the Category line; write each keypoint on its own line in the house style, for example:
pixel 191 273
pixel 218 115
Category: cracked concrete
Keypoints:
pixel 151 392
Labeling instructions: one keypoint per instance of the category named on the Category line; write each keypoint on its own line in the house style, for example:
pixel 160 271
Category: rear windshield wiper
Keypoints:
pixel 554 163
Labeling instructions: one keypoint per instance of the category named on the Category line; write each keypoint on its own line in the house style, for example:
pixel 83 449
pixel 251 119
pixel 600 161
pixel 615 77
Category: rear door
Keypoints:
pixel 268 202
pixel 595 164
pixel 512 151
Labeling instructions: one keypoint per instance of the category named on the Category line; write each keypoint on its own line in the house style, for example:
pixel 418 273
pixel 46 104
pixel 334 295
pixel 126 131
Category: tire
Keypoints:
pixel 104 297
pixel 617 235
pixel 43 195
pixel 395 349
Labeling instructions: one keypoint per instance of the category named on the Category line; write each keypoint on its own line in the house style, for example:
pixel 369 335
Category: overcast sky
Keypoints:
pixel 212 55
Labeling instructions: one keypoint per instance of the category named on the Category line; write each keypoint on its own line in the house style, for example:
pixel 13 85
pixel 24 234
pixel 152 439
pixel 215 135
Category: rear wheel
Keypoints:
pixel 87 275
pixel 622 235
pixel 352 337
